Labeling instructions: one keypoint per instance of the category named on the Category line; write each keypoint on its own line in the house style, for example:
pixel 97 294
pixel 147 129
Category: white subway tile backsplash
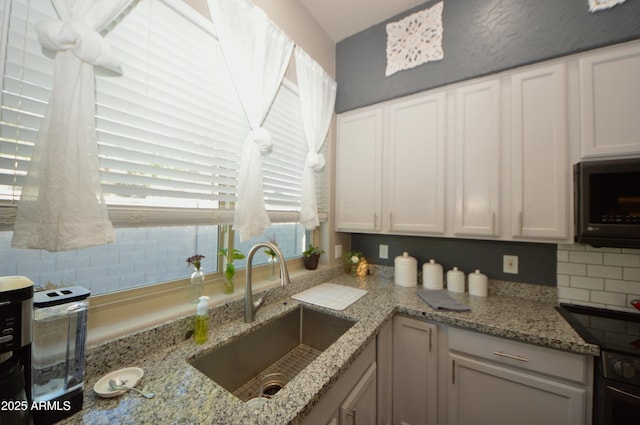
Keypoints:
pixel 572 269
pixel 622 286
pixel 566 294
pixel 631 273
pixel 626 260
pixel 609 272
pixel 600 277
pixel 609 299
pixel 585 257
pixel 563 280
pixel 594 283
pixel 563 256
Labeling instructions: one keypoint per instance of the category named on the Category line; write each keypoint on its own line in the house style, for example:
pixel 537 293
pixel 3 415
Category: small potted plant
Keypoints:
pixel 311 256
pixel 230 255
pixel 355 263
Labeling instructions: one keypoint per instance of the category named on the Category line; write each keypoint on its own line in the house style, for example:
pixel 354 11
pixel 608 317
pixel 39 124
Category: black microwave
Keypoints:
pixel 607 203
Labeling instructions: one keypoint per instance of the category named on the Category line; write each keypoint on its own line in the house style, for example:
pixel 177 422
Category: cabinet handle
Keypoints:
pixel 520 223
pixel 453 371
pixel 493 223
pixel 375 221
pixel 352 414
pixel 511 356
pixel 430 342
pixel 390 220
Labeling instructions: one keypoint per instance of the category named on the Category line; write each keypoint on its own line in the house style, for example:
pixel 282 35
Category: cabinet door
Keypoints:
pixel 484 393
pixel 415 382
pixel 384 378
pixel 358 176
pixel 477 158
pixel 359 408
pixel 539 163
pixel 414 164
pixel 610 101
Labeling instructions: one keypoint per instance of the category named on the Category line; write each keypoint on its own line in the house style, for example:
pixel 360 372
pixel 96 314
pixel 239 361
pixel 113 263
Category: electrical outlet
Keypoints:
pixel 338 251
pixel 383 251
pixel 510 264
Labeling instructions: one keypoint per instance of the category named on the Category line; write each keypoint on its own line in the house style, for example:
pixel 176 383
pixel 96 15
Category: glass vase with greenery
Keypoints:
pixel 230 255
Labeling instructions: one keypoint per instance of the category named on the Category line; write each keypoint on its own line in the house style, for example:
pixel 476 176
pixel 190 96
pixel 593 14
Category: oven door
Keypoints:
pixel 617 403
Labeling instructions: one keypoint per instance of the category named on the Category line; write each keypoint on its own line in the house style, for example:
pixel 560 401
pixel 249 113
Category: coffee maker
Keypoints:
pixel 57 364
pixel 16 309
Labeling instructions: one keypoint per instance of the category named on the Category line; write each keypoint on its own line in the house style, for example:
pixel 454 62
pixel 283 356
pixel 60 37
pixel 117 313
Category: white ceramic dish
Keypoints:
pixel 258 402
pixel 130 375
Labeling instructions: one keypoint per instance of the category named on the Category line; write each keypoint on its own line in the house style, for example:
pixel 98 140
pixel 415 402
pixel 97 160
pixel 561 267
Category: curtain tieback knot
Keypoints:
pixel 262 138
pixel 315 161
pixel 76 36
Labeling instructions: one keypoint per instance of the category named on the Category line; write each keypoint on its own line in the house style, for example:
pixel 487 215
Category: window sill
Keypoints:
pixel 114 315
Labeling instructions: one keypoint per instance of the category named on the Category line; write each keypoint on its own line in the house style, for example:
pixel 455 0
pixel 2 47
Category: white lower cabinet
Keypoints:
pixel 353 398
pixel 415 368
pixel 359 408
pixel 502 382
pixel 420 373
pixel 486 394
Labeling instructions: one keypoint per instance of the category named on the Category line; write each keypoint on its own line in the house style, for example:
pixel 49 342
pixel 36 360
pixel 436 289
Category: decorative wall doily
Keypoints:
pixel 595 5
pixel 415 40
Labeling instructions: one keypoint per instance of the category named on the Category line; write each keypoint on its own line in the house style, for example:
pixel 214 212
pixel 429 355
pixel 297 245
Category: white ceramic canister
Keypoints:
pixel 432 275
pixel 455 280
pixel 406 270
pixel 478 284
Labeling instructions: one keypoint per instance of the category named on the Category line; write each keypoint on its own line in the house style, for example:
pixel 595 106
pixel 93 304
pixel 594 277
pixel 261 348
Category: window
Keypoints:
pixel 170 132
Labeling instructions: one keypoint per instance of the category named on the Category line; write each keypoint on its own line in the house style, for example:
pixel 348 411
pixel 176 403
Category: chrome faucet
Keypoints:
pixel 250 307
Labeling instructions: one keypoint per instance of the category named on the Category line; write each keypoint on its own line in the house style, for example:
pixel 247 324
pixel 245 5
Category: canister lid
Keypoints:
pixel 59 296
pixel 15 288
pixel 432 264
pixel 405 258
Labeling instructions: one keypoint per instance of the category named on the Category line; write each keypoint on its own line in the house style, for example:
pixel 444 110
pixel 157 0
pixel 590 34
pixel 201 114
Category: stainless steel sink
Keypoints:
pixel 285 346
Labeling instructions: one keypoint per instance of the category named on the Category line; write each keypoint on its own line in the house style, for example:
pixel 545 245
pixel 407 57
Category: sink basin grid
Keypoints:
pixel 289 365
pixel 286 345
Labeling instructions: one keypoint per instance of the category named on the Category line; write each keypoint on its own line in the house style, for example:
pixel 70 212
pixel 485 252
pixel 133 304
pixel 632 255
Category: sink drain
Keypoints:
pixel 272 383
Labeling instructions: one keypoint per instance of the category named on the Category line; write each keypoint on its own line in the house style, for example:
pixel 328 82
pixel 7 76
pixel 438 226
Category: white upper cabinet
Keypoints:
pixel 414 166
pixel 540 168
pixel 610 101
pixel 358 173
pixel 390 167
pixel 489 158
pixel 476 159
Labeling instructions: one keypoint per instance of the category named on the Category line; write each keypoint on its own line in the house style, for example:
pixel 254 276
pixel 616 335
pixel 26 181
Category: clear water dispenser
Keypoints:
pixel 58 351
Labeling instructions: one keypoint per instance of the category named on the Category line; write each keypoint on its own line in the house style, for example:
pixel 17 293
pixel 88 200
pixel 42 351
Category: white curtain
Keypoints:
pixel 257 53
pixel 317 98
pixel 61 206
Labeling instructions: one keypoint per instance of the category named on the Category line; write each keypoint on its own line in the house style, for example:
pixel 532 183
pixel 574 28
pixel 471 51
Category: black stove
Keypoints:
pixel 617 370
pixel 615 331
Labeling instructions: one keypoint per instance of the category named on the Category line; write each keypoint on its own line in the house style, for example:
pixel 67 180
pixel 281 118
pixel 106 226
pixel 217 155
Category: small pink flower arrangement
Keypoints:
pixel 194 260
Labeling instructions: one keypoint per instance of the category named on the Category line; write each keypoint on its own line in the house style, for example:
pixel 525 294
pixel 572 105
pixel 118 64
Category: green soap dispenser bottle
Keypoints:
pixel 202 320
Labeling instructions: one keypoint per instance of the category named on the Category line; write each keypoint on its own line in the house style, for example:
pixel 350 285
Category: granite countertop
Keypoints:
pixel 186 396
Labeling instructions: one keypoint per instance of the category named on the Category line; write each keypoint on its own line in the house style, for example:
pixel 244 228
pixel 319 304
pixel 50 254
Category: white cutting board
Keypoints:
pixel 330 295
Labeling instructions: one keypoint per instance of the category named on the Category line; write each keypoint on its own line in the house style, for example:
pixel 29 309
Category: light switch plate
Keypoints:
pixel 338 251
pixel 383 251
pixel 510 264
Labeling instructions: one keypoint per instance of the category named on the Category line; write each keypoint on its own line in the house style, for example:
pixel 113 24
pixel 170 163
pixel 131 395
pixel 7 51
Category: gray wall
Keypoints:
pixel 536 261
pixel 480 37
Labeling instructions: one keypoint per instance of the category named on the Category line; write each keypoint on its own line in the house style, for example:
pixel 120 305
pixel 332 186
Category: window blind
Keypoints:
pixel 170 129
